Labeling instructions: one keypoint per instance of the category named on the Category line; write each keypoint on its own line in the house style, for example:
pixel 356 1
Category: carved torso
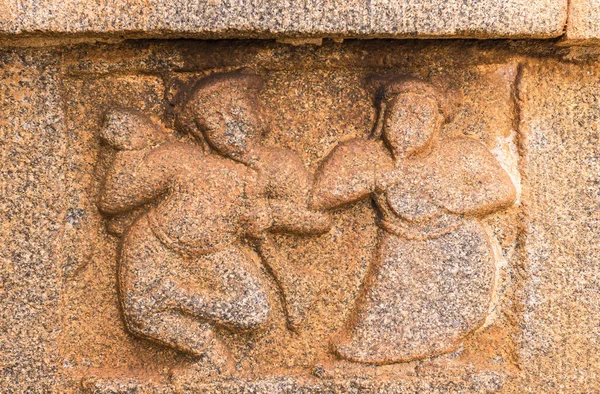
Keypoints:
pixel 203 205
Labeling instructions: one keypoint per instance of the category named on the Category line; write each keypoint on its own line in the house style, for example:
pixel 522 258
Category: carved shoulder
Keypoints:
pixel 469 179
pixel 136 177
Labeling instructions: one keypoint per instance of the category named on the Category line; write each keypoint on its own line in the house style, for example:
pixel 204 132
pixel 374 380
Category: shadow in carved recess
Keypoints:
pixel 184 268
pixel 432 279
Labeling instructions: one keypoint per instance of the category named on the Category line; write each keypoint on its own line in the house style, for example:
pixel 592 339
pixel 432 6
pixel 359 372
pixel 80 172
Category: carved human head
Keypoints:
pixel 223 108
pixel 413 113
pixel 129 129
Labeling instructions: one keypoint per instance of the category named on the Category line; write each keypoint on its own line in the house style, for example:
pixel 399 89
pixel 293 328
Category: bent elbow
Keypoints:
pixel 506 196
pixel 108 206
pixel 510 196
pixel 323 223
pixel 318 202
pixel 112 201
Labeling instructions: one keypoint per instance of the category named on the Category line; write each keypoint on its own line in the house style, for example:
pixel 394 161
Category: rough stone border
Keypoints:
pixel 210 19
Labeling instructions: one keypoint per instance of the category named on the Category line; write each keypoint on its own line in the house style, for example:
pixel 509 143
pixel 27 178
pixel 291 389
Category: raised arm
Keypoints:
pixel 467 179
pixel 348 173
pixel 285 184
pixel 142 164
pixel 135 178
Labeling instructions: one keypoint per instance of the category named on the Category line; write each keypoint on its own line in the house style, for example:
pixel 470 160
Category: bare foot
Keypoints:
pixel 451 363
pixel 216 363
pixel 331 369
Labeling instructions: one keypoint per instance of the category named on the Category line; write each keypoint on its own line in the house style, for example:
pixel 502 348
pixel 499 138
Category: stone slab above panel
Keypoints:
pixel 280 18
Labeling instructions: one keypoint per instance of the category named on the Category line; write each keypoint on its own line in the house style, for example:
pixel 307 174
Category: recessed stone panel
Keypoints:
pixel 310 277
pixel 247 216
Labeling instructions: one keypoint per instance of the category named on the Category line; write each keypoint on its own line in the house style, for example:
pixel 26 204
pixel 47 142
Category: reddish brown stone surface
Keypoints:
pixel 243 216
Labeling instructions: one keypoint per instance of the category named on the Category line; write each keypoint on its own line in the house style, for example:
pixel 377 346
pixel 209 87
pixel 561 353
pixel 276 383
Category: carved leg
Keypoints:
pixel 177 330
pixel 150 293
pixel 154 303
pixel 241 301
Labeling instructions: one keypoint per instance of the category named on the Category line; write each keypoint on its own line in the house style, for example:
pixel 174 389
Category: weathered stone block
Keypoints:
pixel 233 216
pixel 561 261
pixel 583 25
pixel 276 19
pixel 33 135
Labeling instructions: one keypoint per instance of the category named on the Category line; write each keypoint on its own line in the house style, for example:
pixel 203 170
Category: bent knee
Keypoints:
pixel 138 313
pixel 252 311
pixel 137 324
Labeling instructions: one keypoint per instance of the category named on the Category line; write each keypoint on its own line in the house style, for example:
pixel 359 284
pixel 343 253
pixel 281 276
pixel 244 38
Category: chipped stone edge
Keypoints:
pixel 565 33
pixel 16 30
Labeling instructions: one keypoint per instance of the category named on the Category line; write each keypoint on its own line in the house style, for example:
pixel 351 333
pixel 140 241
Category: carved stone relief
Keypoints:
pixel 198 209
pixel 318 197
pixel 184 267
pixel 431 281
pixel 253 216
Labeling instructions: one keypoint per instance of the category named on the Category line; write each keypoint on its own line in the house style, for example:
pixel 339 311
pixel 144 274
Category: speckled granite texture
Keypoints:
pixel 583 25
pixel 32 217
pixel 276 18
pixel 491 148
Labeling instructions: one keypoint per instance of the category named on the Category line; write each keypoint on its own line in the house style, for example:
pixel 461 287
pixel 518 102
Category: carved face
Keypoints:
pixel 231 122
pixel 412 123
